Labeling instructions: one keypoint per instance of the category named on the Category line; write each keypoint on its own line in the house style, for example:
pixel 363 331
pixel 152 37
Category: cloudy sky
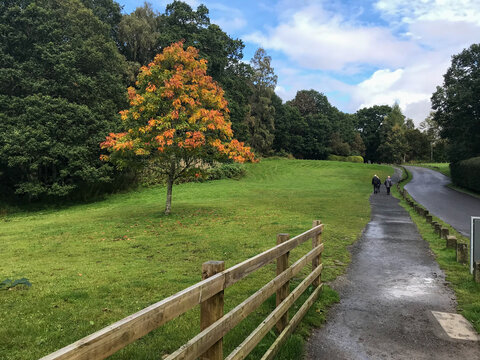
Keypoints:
pixel 357 52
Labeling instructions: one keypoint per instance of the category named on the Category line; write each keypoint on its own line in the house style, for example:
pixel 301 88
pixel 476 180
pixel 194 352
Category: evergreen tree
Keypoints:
pixel 357 146
pixel 60 90
pixel 138 35
pixel 369 122
pixel 393 144
pixel 260 121
pixel 456 105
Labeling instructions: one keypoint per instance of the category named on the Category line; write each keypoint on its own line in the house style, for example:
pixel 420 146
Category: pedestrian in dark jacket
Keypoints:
pixel 388 184
pixel 376 184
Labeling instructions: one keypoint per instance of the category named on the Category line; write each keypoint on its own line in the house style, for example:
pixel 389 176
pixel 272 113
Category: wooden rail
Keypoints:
pixel 209 294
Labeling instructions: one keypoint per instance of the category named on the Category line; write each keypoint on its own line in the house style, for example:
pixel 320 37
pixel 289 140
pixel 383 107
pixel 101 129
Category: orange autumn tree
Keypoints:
pixel 178 116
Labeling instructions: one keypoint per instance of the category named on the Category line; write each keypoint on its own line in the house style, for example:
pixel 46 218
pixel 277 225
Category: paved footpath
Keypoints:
pixel 387 296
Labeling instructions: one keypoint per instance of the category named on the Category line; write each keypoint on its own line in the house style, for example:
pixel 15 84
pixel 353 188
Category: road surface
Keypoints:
pixel 387 297
pixel 429 188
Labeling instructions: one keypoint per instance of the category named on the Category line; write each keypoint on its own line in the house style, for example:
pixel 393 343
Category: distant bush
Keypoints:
pixel 151 175
pixel 336 158
pixel 354 159
pixel 466 173
pixel 225 171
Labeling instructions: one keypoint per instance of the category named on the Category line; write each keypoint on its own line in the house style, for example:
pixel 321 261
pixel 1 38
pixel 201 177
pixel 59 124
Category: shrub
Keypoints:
pixel 466 173
pixel 332 157
pixel 355 159
pixel 152 175
pixel 225 171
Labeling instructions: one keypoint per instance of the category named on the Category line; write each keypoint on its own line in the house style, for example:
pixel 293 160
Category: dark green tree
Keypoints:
pixel 290 129
pixel 456 105
pixel 438 147
pixel 393 144
pixel 357 145
pixel 60 90
pixel 329 130
pixel 338 146
pixel 260 120
pixel 108 11
pixel 317 115
pixel 394 147
pixel 418 145
pixel 138 35
pixel 369 121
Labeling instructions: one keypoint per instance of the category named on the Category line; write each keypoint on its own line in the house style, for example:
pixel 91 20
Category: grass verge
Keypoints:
pixel 443 168
pixel 93 264
pixel 458 275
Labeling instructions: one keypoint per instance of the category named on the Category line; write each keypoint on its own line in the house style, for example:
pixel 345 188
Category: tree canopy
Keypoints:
pixel 61 85
pixel 456 104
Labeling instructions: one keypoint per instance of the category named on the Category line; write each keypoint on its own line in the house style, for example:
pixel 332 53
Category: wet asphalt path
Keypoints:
pixel 391 286
pixel 429 188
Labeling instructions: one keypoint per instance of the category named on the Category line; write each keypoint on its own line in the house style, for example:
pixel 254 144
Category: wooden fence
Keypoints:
pixel 208 293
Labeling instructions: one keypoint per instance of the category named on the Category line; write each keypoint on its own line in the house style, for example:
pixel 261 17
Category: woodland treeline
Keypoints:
pixel 66 65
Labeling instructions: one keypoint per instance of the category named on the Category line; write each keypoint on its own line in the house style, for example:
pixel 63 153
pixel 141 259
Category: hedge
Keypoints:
pixel 466 173
pixel 354 159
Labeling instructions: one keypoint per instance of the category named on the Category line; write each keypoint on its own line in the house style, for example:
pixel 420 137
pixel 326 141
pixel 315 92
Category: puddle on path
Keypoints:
pixel 374 230
pixel 411 288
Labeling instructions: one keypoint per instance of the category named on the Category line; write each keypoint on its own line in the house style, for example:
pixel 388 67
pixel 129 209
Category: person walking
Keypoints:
pixel 376 184
pixel 388 184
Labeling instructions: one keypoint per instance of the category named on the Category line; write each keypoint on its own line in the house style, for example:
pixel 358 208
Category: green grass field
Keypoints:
pixel 91 265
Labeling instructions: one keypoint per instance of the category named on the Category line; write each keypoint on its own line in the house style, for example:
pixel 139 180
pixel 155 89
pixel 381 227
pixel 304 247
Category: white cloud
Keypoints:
pixel 229 18
pixel 411 88
pixel 383 88
pixel 447 37
pixel 293 79
pixel 318 39
pixel 432 10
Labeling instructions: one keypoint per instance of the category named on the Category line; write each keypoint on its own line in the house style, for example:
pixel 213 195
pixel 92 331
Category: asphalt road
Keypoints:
pixel 387 296
pixel 429 188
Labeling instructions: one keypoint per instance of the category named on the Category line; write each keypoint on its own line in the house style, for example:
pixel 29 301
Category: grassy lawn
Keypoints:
pixel 458 275
pixel 93 264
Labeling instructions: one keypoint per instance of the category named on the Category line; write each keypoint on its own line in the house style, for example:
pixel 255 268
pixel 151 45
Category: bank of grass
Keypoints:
pixel 458 276
pixel 91 265
pixel 443 168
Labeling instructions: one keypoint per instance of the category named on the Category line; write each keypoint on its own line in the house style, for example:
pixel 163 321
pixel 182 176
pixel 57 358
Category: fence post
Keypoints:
pixel 282 292
pixel 451 242
pixel 445 233
pixel 212 309
pixel 476 271
pixel 462 253
pixel 316 241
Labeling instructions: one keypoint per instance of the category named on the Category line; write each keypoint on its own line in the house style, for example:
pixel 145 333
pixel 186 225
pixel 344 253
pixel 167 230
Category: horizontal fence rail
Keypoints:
pixel 209 294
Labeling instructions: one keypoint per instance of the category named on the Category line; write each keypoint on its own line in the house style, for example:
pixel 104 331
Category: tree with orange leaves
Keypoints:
pixel 177 116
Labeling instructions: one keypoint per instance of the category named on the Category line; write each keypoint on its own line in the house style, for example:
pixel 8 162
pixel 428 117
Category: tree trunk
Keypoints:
pixel 168 205
pixel 170 180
